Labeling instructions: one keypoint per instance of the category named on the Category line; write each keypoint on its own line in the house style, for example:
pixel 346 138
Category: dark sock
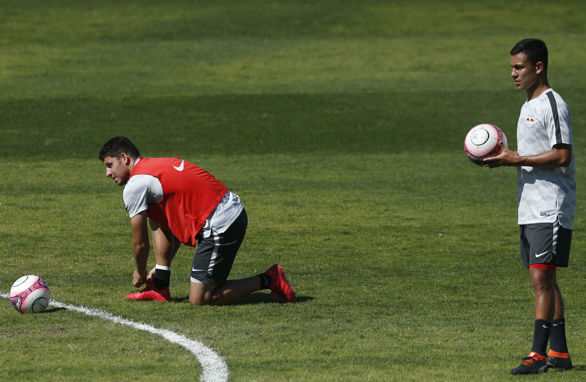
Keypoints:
pixel 541 336
pixel 161 279
pixel 265 281
pixel 557 337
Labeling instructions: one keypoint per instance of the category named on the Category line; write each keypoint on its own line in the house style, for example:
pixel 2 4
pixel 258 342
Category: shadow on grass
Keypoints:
pixel 575 368
pixel 54 310
pixel 254 299
pixel 263 298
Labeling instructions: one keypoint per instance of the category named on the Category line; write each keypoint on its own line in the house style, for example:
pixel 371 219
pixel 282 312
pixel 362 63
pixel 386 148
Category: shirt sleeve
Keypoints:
pixel 558 122
pixel 566 124
pixel 139 192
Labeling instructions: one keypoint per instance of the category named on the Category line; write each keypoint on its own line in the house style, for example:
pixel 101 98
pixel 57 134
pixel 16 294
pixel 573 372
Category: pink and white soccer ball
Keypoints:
pixel 30 294
pixel 482 141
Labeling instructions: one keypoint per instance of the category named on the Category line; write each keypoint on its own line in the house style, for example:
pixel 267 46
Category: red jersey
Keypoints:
pixel 190 195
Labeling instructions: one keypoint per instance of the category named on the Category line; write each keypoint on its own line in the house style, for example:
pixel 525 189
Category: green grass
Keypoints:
pixel 340 124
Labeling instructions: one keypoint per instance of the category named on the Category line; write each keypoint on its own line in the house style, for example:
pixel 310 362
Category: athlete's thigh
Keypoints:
pixel 215 254
pixel 537 244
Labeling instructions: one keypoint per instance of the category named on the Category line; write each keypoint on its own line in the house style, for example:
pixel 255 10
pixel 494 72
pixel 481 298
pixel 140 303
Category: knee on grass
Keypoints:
pixel 204 294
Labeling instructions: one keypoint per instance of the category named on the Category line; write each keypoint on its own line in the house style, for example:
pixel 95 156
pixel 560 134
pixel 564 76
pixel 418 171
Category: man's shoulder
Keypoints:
pixel 549 105
pixel 138 182
pixel 132 185
pixel 550 98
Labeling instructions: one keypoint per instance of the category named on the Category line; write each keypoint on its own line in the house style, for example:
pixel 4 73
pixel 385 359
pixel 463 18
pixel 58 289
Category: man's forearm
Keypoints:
pixel 141 255
pixel 551 158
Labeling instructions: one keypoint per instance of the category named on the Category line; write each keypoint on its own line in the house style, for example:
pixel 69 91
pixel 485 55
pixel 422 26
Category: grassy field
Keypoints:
pixel 340 124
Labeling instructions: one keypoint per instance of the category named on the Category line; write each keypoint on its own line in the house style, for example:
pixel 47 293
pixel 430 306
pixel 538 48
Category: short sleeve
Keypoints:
pixel 558 121
pixel 139 192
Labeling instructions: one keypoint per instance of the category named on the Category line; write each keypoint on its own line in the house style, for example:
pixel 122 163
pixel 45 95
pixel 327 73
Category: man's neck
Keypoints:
pixel 534 92
pixel 133 163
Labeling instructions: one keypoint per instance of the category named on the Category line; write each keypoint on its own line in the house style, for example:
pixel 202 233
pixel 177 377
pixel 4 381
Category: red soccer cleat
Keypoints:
pixel 279 283
pixel 151 293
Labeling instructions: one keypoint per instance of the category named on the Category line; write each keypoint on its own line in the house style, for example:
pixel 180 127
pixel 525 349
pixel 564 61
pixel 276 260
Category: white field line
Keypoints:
pixel 214 368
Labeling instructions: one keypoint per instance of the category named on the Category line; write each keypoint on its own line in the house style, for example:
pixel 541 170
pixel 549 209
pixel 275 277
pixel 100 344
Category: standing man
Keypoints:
pixel 184 204
pixel 546 180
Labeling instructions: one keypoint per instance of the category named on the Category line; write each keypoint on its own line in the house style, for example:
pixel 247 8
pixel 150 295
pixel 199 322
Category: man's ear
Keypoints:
pixel 539 67
pixel 125 159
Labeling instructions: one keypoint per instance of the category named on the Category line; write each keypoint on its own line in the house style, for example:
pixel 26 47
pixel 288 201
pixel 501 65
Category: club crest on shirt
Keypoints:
pixel 530 120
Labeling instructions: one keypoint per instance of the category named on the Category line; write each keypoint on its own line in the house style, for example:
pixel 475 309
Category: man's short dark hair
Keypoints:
pixel 118 145
pixel 534 49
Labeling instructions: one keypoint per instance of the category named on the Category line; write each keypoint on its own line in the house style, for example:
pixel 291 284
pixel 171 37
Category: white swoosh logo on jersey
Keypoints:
pixel 180 168
pixel 541 254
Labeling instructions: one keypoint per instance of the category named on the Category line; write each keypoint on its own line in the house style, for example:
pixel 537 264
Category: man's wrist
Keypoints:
pixel 520 161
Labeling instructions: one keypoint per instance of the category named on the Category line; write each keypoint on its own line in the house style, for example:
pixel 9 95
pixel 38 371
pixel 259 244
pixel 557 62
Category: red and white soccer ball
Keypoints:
pixel 30 294
pixel 482 142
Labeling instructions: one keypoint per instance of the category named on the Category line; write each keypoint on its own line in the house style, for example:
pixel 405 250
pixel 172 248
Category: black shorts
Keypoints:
pixel 545 242
pixel 215 254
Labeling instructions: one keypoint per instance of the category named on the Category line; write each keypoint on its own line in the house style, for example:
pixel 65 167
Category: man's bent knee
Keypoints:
pixel 201 294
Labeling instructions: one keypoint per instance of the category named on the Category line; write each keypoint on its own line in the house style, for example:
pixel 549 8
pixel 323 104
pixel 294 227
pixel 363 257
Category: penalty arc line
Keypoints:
pixel 214 368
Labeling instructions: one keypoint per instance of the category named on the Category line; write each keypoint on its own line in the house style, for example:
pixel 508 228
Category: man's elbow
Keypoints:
pixel 140 246
pixel 565 159
pixel 565 162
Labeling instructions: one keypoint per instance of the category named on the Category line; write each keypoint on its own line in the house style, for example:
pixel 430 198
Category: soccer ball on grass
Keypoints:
pixel 482 141
pixel 30 294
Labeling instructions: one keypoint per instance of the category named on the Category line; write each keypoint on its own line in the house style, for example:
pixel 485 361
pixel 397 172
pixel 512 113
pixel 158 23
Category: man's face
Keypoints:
pixel 117 169
pixel 524 72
